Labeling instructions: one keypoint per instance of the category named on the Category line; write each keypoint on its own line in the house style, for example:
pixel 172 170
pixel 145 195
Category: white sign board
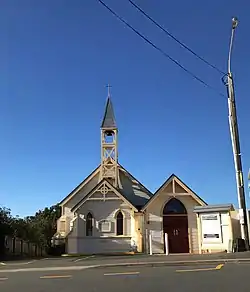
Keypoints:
pixel 211 228
pixel 156 235
pixel 156 239
pixel 105 226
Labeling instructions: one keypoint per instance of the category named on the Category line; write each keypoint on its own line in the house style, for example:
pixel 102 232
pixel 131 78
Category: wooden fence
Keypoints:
pixel 18 247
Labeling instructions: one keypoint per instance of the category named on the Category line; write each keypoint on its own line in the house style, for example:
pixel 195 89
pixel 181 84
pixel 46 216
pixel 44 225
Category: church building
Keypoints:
pixel 110 211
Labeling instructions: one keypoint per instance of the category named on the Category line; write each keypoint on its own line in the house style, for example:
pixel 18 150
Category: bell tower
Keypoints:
pixel 109 153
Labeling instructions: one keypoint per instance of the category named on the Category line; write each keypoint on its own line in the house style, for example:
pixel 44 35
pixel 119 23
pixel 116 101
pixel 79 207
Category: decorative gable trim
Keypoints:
pixel 174 179
pixel 104 187
pixel 80 186
pixel 93 174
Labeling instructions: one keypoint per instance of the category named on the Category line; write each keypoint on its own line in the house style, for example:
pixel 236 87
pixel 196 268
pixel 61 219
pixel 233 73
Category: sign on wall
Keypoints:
pixel 211 228
pixel 156 235
pixel 105 226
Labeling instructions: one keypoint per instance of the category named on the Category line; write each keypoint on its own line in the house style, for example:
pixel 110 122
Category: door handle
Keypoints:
pixel 175 232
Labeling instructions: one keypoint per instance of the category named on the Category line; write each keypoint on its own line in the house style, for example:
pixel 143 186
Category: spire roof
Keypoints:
pixel 109 117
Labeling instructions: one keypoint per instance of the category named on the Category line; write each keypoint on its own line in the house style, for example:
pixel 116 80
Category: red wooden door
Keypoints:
pixel 177 229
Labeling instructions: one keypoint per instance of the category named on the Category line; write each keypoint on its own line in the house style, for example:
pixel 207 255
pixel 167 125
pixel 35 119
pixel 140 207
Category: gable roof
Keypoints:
pixel 80 186
pixel 132 189
pixel 109 117
pixel 84 199
pixel 134 178
pixel 179 181
pixel 135 192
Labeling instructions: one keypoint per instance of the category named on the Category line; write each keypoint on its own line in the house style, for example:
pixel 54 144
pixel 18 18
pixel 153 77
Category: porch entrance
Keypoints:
pixel 175 224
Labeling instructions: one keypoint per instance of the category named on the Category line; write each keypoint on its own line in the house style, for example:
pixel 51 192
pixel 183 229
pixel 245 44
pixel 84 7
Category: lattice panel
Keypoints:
pixel 109 153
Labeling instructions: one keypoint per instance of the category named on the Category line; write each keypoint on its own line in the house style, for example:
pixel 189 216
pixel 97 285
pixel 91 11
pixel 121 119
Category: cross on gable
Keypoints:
pixel 104 189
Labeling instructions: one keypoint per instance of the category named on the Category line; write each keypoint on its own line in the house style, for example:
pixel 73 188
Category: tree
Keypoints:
pixel 20 228
pixel 43 225
pixel 38 229
pixel 5 226
pixel 5 221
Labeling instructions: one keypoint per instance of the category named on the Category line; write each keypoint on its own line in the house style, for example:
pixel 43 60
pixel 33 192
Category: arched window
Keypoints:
pixel 174 206
pixel 89 224
pixel 119 223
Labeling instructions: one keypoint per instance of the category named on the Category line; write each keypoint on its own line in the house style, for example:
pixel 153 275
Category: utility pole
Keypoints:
pixel 228 81
pixel 249 182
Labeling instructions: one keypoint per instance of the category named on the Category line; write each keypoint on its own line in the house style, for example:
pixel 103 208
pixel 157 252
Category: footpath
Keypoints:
pixel 99 261
pixel 166 260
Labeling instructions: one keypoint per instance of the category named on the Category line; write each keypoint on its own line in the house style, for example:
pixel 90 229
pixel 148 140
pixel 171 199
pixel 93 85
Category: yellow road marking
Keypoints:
pixel 199 270
pixel 219 266
pixel 125 273
pixel 55 276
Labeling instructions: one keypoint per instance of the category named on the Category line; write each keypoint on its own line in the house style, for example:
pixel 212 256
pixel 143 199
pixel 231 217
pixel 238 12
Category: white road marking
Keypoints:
pixel 18 263
pixel 44 259
pixel 55 276
pixel 71 268
pixel 83 258
pixel 30 262
pixel 3 279
pixel 122 274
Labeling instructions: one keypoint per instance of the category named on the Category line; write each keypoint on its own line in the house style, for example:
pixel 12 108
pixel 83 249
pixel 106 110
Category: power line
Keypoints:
pixel 175 39
pixel 158 48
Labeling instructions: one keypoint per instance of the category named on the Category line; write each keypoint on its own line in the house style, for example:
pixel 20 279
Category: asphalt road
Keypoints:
pixel 96 260
pixel 230 277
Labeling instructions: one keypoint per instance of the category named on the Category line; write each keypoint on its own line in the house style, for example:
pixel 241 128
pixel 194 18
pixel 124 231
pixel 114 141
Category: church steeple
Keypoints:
pixel 109 153
pixel 108 121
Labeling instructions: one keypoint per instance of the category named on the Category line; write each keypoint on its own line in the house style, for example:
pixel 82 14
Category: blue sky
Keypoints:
pixel 56 58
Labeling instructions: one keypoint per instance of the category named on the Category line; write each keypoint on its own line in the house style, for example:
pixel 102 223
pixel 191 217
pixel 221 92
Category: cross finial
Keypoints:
pixel 108 86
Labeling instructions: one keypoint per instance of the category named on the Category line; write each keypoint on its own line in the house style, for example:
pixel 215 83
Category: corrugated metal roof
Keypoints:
pixel 213 208
pixel 133 190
